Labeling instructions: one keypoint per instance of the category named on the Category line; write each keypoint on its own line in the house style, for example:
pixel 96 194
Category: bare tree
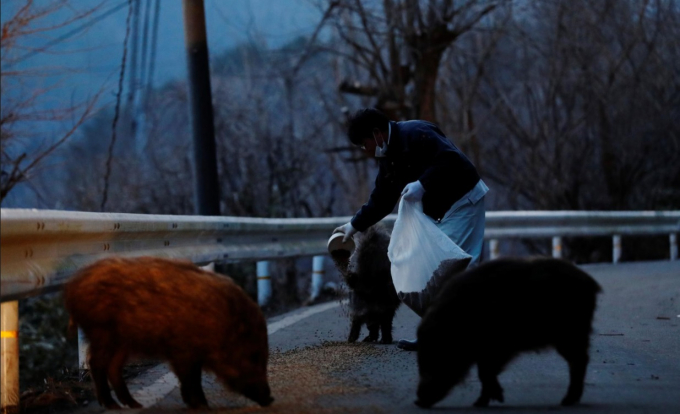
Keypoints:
pixel 267 168
pixel 462 76
pixel 580 106
pixel 271 155
pixel 389 55
pixel 154 179
pixel 578 102
pixel 24 105
pixel 394 49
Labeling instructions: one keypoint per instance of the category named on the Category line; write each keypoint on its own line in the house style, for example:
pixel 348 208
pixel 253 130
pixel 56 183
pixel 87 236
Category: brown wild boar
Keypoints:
pixel 173 310
pixel 489 314
pixel 372 299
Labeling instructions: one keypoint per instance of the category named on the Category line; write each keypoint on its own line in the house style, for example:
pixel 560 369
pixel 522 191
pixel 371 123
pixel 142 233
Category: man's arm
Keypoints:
pixel 380 203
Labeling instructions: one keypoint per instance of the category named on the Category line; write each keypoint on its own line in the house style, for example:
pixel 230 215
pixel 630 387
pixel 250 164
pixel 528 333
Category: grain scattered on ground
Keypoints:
pixel 302 379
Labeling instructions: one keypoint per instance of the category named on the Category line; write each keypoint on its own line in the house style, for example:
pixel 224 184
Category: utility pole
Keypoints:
pixel 207 200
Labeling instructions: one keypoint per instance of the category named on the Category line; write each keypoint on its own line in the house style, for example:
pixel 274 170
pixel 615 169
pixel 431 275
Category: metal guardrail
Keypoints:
pixel 42 248
pixel 532 224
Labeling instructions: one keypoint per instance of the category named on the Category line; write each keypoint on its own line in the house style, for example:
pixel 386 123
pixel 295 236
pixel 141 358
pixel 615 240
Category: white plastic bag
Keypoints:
pixel 417 249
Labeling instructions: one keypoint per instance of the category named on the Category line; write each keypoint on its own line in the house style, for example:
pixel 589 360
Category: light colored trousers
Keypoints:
pixel 465 221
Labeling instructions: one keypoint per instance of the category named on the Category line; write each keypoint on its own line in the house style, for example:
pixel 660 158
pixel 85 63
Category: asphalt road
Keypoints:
pixel 635 361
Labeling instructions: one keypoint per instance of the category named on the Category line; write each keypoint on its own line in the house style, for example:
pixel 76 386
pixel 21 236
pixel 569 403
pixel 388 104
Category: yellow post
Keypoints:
pixel 9 368
pixel 557 247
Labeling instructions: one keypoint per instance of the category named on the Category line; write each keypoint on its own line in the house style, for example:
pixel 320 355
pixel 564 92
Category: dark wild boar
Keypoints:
pixel 372 299
pixel 173 310
pixel 489 314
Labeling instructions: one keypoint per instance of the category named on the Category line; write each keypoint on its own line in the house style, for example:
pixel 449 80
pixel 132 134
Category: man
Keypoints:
pixel 418 162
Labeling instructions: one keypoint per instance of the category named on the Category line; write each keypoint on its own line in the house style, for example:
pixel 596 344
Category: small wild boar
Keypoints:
pixel 489 314
pixel 372 299
pixel 174 310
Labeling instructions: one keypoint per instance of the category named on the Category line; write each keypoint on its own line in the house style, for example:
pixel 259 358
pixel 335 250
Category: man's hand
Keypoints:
pixel 413 191
pixel 347 229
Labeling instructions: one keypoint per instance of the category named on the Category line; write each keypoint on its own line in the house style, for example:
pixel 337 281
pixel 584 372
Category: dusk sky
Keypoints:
pixel 90 59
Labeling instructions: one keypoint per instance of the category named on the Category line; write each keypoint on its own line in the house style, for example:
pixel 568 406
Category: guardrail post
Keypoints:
pixel 616 256
pixel 317 275
pixel 494 251
pixel 9 382
pixel 264 283
pixel 674 246
pixel 83 347
pixel 557 247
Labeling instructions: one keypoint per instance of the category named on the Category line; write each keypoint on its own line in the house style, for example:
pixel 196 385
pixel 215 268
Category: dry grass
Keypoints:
pixel 67 392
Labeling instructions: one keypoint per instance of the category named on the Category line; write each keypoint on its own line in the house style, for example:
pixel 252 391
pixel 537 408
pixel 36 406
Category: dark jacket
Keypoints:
pixel 418 150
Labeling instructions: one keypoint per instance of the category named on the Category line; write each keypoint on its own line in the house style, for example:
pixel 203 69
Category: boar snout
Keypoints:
pixel 423 404
pixel 265 402
pixel 431 389
pixel 260 393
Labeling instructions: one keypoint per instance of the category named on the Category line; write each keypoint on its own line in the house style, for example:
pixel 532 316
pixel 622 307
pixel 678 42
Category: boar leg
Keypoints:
pixel 355 329
pixel 99 362
pixel 577 358
pixel 189 375
pixel 386 330
pixel 488 370
pixel 373 332
pixel 115 375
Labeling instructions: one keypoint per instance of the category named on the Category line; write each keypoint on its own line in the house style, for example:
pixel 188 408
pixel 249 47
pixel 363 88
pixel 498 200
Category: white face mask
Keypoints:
pixel 380 151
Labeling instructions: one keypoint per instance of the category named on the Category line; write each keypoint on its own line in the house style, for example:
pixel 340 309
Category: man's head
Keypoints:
pixel 368 129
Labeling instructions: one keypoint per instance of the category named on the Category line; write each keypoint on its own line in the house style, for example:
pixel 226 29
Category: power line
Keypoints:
pixel 152 58
pixel 133 83
pixel 109 159
pixel 145 36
